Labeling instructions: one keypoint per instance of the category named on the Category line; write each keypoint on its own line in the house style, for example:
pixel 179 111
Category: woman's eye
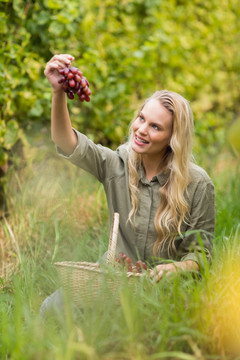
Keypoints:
pixel 141 118
pixel 155 127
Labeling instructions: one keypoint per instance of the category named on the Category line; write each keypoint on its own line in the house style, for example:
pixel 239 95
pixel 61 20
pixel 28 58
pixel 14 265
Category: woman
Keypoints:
pixel 165 201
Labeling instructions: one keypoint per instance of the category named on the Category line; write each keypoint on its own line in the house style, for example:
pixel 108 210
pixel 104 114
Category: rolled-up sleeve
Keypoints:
pixel 90 157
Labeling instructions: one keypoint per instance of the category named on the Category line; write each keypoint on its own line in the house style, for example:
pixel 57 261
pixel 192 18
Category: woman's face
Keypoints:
pixel 152 129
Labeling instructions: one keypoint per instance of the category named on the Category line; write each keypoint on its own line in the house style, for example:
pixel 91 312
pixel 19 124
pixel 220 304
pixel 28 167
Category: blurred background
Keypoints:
pixel 51 211
pixel 127 49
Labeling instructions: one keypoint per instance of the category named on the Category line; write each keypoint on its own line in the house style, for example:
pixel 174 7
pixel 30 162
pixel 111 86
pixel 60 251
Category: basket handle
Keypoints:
pixel 113 239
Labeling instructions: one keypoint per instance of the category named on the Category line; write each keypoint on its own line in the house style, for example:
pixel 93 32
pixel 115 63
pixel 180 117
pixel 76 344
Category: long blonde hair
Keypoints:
pixel 173 207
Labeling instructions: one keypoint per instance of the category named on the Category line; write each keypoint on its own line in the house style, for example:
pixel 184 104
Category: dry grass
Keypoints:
pixel 49 202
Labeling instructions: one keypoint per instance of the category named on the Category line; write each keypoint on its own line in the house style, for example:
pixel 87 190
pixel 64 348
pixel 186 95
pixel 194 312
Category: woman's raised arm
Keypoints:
pixel 61 128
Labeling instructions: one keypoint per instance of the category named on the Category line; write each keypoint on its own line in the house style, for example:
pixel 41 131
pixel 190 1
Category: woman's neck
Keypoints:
pixel 151 167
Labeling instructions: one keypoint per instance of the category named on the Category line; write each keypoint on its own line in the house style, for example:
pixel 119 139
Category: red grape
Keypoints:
pixel 65 85
pixel 83 82
pixel 129 267
pixel 86 81
pixel 70 95
pixel 74 70
pixel 77 77
pixel 70 75
pixel 128 260
pixel 82 97
pixel 140 265
pixel 126 263
pixel 61 79
pixel 73 82
pixel 77 86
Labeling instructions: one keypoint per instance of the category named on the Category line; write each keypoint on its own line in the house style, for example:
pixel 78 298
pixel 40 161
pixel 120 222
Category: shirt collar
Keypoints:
pixel 161 177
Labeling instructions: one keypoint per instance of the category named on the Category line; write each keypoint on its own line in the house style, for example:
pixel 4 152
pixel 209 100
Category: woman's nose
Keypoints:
pixel 143 129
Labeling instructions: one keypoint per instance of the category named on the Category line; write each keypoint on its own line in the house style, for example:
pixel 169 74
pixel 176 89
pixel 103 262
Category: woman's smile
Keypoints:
pixel 140 141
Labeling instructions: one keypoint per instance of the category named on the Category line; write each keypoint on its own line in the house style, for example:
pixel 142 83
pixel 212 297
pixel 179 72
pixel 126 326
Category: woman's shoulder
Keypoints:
pixel 123 151
pixel 198 174
pixel 200 184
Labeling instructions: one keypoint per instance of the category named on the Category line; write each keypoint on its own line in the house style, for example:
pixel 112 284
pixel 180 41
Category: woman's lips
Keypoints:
pixel 140 141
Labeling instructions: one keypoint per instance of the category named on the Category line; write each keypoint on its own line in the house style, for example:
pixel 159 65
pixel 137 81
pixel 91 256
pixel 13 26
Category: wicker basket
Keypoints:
pixel 86 281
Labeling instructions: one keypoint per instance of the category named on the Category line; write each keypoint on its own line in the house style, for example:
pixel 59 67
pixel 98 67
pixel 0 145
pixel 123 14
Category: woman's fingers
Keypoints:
pixel 65 59
pixel 54 64
pixel 159 275
pixel 58 62
pixel 151 273
pixel 163 270
pixel 51 68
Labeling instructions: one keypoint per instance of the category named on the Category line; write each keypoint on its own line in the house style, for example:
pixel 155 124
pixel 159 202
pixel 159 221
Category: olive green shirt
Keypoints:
pixel 111 169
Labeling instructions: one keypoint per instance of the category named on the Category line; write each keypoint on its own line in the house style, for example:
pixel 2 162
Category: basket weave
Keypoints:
pixel 85 281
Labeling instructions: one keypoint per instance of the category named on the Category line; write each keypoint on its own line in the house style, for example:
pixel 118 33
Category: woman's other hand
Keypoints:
pixel 167 269
pixel 51 71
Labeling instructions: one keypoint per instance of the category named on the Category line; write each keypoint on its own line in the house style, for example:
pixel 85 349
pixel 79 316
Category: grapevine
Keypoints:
pixel 73 82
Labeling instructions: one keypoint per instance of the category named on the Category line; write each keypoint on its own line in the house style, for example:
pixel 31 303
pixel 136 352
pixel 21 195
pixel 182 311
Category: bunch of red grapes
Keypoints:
pixel 126 263
pixel 73 82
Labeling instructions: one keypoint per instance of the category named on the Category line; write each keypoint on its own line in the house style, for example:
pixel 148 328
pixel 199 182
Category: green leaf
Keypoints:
pixel 56 28
pixel 234 135
pixel 3 157
pixel 11 134
pixel 36 110
pixel 53 4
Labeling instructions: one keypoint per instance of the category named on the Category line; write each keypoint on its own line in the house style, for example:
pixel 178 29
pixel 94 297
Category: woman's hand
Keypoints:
pixel 167 269
pixel 51 71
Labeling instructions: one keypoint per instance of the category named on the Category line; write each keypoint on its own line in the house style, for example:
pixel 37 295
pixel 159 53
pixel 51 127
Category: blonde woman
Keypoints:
pixel 165 201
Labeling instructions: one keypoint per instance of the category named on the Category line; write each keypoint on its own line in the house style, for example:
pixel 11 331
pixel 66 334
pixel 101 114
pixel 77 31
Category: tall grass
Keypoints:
pixel 58 212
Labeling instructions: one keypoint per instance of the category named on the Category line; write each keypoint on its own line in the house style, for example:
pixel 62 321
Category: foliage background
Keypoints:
pixel 127 50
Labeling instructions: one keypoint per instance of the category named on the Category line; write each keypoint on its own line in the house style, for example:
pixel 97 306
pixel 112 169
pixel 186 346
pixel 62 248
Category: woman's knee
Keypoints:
pixel 53 304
